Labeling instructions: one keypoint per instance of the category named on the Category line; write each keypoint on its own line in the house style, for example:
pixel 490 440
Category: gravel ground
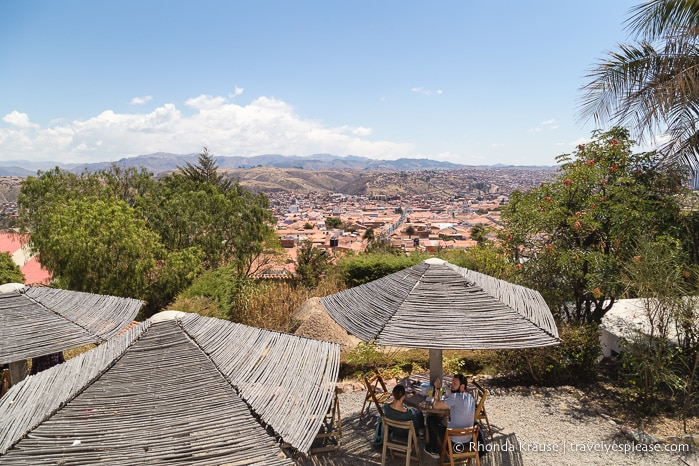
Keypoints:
pixel 568 432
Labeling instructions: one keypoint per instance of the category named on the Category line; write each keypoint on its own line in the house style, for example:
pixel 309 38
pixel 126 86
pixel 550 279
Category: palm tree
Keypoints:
pixel 652 87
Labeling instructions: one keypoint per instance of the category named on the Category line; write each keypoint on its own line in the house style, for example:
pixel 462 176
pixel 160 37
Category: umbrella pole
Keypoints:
pixel 435 364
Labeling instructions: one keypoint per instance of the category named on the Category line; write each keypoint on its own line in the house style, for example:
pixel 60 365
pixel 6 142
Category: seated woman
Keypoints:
pixel 399 412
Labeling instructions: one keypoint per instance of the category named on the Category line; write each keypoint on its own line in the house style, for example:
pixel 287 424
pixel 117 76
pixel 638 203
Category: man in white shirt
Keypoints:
pixel 462 408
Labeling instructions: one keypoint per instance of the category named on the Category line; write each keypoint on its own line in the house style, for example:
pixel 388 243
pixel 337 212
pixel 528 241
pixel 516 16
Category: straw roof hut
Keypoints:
pixel 35 321
pixel 438 305
pixel 177 389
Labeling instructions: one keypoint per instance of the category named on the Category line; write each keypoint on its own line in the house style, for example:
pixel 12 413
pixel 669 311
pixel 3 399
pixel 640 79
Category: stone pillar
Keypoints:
pixel 435 364
pixel 18 371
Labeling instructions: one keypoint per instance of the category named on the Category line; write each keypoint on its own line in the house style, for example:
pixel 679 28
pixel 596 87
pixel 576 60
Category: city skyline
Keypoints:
pixel 469 83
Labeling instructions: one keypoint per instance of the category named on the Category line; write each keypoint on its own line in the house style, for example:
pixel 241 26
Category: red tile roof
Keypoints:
pixel 34 273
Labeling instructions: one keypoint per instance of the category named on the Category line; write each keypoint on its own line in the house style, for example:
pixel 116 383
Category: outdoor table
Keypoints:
pixel 418 401
pixel 415 400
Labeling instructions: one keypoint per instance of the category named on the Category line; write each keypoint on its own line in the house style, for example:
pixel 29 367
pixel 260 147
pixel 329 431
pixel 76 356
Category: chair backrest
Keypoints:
pixel 463 451
pixel 480 409
pixel 481 414
pixel 404 447
pixel 377 380
pixel 372 384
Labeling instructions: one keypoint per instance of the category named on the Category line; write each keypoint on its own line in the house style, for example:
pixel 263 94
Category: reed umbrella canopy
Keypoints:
pixel 438 305
pixel 177 389
pixel 36 321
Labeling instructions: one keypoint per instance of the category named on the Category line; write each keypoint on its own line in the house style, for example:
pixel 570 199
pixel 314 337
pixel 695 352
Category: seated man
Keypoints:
pixel 462 408
pixel 397 411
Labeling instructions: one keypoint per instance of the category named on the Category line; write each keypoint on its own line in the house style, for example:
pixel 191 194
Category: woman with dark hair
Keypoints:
pixel 397 411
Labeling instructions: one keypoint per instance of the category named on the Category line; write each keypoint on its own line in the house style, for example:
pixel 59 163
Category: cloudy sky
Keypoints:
pixel 471 82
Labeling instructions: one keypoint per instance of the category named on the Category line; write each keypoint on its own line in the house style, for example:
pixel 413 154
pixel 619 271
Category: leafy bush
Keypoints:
pixel 364 268
pixel 217 285
pixel 390 363
pixel 202 305
pixel 574 360
pixel 9 271
pixel 649 365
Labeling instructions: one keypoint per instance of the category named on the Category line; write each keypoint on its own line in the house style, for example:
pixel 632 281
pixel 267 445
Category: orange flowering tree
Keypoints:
pixel 570 238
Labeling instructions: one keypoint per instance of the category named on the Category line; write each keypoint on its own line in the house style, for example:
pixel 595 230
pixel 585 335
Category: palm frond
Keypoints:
pixel 658 18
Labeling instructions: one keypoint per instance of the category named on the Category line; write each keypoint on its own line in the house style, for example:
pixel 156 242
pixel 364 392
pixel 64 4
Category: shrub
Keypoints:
pixel 389 362
pixel 364 268
pixel 574 360
pixel 649 365
pixel 218 286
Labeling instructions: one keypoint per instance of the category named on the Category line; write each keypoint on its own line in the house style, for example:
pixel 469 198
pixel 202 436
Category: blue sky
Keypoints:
pixel 471 82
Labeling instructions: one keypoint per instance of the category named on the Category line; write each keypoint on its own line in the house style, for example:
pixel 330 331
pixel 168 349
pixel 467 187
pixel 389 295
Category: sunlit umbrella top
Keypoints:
pixel 439 305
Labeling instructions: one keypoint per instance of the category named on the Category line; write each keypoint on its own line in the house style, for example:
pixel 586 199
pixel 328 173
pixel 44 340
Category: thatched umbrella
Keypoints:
pixel 438 305
pixel 177 389
pixel 36 321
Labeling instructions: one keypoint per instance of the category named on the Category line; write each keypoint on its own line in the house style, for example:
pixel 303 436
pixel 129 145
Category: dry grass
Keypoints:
pixel 271 304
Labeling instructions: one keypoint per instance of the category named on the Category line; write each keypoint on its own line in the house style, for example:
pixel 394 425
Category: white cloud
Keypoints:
pixel 265 125
pixel 141 100
pixel 238 91
pixel 550 124
pixel 362 131
pixel 423 91
pixel 20 120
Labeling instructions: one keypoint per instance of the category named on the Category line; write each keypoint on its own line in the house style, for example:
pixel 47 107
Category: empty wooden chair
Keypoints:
pixel 330 436
pixel 376 392
pixel 463 452
pixel 481 414
pixel 395 444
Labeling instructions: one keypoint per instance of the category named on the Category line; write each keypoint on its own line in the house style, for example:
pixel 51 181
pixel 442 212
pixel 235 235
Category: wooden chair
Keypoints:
pixel 330 436
pixel 400 446
pixel 468 453
pixel 373 385
pixel 481 414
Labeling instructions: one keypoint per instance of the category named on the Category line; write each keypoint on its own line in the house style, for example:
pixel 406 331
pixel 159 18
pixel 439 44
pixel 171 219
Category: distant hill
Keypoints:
pixel 15 171
pixel 328 173
pixel 164 162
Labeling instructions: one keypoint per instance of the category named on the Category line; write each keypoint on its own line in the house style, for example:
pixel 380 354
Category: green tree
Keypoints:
pixel 9 271
pixel 410 231
pixel 573 236
pixel 206 171
pixel 381 244
pixel 333 223
pixel 479 233
pixel 368 234
pixel 311 264
pixel 96 245
pixel 652 86
pixel 227 225
pixel 92 239
pixel 57 186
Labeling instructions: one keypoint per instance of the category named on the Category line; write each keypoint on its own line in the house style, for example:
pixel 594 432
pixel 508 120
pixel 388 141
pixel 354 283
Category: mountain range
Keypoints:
pixel 161 162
